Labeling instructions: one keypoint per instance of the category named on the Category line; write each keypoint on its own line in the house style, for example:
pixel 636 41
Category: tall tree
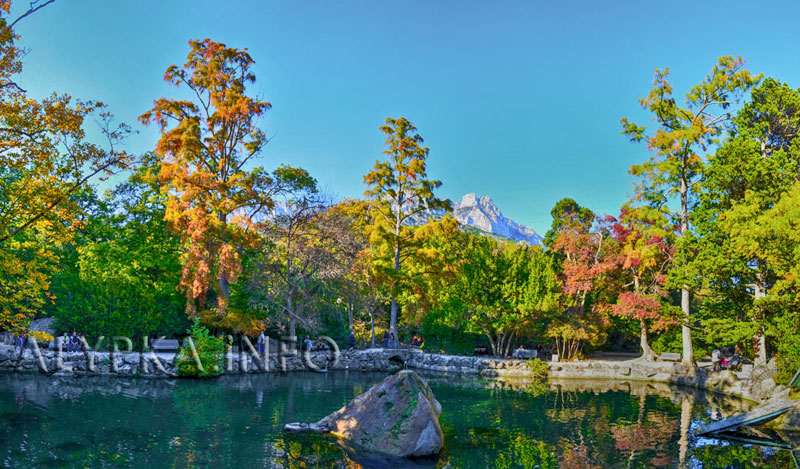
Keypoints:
pixel 46 162
pixel 744 179
pixel 676 165
pixel 207 142
pixel 400 191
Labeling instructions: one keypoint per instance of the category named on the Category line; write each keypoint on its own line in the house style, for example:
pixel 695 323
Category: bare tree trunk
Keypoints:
pixel 508 344
pixel 224 293
pixel 686 332
pixel 647 352
pixel 350 316
pixel 492 344
pixel 372 329
pixel 292 319
pixel 759 340
pixel 393 314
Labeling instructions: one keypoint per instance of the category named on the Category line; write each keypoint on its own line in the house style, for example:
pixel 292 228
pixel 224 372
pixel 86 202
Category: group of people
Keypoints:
pixel 73 342
pixel 309 345
pixel 417 341
pixel 388 340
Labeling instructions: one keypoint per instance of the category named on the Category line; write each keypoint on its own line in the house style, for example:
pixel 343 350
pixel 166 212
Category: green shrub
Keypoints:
pixel 787 346
pixel 209 352
pixel 538 368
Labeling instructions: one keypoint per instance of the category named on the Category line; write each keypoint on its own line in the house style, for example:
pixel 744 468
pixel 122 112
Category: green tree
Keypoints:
pixel 400 191
pixel 566 211
pixel 499 289
pixel 676 166
pixel 121 275
pixel 752 171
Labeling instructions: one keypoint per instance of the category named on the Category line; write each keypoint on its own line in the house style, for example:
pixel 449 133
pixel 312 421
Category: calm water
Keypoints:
pixel 237 421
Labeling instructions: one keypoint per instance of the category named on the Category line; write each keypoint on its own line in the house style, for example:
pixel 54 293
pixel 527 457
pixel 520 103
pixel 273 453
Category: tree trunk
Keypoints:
pixel 292 318
pixel 393 318
pixel 508 344
pixel 492 344
pixel 372 329
pixel 223 293
pixel 350 316
pixel 397 227
pixel 759 340
pixel 686 332
pixel 647 352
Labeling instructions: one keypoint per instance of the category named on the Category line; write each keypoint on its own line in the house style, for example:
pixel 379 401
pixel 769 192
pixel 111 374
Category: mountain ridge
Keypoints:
pixel 480 212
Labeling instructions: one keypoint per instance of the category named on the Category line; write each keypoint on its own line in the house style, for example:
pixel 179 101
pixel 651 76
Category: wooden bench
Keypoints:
pixel 165 345
pixel 669 357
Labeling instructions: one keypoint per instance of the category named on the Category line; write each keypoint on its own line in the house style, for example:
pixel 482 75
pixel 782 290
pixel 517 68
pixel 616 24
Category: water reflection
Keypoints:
pixel 237 420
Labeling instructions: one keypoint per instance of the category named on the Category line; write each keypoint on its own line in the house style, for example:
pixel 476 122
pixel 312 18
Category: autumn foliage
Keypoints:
pixel 213 198
pixel 45 162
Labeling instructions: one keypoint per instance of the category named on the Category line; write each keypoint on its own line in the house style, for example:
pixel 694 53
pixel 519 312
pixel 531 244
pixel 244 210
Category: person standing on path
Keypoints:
pixel 261 342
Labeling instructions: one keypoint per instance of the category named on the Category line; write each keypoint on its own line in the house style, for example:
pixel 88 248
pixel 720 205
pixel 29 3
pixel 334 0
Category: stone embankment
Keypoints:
pixel 164 365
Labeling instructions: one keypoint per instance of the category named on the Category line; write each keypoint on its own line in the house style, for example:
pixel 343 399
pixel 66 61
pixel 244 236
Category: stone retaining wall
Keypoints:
pixel 163 365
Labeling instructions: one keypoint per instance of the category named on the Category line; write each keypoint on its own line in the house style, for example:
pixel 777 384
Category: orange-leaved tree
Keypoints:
pixel 214 198
pixel 45 163
pixel 645 240
pixel 588 259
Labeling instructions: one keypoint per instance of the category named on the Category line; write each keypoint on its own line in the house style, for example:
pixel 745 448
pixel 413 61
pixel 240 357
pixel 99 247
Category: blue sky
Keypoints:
pixel 519 100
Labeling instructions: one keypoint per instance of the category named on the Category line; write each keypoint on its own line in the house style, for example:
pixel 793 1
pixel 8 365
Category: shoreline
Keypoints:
pixel 162 365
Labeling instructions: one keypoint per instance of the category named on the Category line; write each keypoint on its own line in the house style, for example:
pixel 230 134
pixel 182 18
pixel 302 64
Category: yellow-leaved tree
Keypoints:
pixel 45 162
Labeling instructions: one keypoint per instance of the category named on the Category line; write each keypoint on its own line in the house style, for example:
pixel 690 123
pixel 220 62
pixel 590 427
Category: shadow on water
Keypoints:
pixel 238 420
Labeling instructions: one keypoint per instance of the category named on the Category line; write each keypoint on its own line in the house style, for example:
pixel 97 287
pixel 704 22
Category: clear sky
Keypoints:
pixel 519 100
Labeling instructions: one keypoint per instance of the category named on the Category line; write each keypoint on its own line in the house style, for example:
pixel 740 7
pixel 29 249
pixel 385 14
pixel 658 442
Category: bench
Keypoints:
pixel 669 357
pixel 165 345
pixel 524 353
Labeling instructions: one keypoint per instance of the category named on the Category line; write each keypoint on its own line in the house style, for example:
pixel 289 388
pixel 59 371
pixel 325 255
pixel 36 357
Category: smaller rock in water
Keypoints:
pixel 399 416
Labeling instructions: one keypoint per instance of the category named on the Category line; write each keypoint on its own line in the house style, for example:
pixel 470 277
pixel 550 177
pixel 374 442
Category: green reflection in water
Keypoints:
pixel 238 421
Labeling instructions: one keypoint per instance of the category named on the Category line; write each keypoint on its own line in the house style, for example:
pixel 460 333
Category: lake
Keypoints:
pixel 238 420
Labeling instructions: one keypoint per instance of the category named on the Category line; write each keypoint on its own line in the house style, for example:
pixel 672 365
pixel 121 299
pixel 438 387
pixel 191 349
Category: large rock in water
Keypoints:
pixel 399 416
